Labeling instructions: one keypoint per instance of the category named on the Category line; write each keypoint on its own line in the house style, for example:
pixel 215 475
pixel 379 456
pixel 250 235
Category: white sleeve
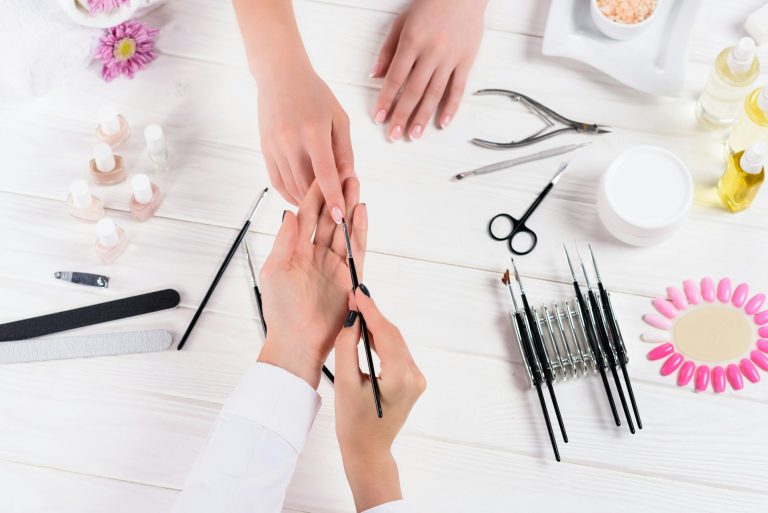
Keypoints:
pixel 251 452
pixel 390 507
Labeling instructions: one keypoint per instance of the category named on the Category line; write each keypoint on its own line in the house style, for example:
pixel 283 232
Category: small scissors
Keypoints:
pixel 517 226
pixel 547 115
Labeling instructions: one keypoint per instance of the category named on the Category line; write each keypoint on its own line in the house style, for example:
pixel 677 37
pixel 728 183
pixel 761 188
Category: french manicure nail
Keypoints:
pixel 445 121
pixel 351 318
pixel 336 215
pixel 416 132
pixel 396 133
pixel 365 290
pixel 380 117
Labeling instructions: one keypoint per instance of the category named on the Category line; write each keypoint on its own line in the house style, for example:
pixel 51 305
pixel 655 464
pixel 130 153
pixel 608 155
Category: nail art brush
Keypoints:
pixel 538 345
pixel 363 327
pixel 585 315
pixel 506 164
pixel 221 270
pixel 260 305
pixel 617 337
pixel 602 336
pixel 525 343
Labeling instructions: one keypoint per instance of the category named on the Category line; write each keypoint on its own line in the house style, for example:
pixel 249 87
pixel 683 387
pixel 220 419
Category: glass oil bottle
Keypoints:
pixel 744 174
pixel 736 69
pixel 752 124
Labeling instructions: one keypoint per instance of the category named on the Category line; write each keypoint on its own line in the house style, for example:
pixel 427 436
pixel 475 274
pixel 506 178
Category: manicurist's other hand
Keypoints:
pixel 365 439
pixel 305 283
pixel 426 58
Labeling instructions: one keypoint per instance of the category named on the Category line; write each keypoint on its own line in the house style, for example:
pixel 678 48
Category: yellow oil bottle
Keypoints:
pixel 752 124
pixel 744 174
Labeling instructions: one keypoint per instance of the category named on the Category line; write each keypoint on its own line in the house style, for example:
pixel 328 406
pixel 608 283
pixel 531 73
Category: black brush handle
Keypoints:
pixel 367 344
pixel 215 282
pixel 89 315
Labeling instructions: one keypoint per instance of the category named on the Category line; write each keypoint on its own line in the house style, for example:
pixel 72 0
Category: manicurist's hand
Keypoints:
pixel 426 58
pixel 305 283
pixel 304 131
pixel 365 439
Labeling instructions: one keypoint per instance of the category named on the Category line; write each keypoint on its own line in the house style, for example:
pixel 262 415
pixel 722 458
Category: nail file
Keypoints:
pixel 84 346
pixel 89 315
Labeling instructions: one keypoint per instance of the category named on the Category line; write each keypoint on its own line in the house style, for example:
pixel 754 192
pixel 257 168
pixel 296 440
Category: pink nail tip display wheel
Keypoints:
pixel 709 332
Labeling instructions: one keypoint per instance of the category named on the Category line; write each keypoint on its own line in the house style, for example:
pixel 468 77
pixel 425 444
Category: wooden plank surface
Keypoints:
pixel 81 434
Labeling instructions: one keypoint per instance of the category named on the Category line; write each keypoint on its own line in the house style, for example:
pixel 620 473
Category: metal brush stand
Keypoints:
pixel 563 331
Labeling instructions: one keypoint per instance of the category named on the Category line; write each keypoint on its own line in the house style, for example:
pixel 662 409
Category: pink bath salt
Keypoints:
pixel 627 11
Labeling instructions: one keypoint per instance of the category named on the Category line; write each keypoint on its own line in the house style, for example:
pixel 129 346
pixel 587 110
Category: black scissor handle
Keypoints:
pixel 516 228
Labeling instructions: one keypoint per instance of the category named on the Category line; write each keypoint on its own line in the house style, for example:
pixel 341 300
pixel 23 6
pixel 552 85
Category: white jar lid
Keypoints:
pixel 645 195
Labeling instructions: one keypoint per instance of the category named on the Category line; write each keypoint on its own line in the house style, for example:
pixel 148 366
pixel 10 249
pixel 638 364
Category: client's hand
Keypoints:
pixel 306 282
pixel 366 440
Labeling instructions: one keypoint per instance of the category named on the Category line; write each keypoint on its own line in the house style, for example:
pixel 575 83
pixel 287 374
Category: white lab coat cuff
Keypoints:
pixel 390 507
pixel 276 399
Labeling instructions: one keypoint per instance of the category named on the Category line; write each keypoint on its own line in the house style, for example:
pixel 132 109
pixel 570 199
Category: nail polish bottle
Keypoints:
pixel 157 149
pixel 106 167
pixel 82 204
pixel 111 241
pixel 145 199
pixel 113 128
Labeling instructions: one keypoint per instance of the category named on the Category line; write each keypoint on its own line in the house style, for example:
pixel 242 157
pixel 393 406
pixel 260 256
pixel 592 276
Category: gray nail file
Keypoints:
pixel 84 346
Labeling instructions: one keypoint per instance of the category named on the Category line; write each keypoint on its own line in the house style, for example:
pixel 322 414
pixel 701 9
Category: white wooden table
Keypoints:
pixel 119 434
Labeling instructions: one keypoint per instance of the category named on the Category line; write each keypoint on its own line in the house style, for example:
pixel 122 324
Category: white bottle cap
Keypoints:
pixel 753 158
pixel 762 100
pixel 742 55
pixel 109 120
pixel 80 194
pixel 104 158
pixel 155 139
pixel 142 189
pixel 107 231
pixel 757 25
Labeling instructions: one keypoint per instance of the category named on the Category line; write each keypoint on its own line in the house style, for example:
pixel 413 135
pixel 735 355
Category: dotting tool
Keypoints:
pixel 538 345
pixel 363 327
pixel 524 342
pixel 602 335
pixel 223 268
pixel 590 334
pixel 260 304
pixel 618 339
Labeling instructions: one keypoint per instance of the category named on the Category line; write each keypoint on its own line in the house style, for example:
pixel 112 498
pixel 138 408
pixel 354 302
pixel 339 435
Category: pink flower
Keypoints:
pixel 95 6
pixel 126 49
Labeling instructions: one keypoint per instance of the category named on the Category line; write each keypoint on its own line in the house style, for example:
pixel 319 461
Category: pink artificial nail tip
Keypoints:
pixel 665 308
pixel 671 365
pixel 656 321
pixel 724 290
pixel 702 378
pixel 755 304
pixel 759 359
pixel 718 379
pixel 762 317
pixel 686 373
pixel 708 289
pixel 740 295
pixel 763 331
pixel 749 370
pixel 691 292
pixel 762 345
pixel 734 376
pixel 677 298
pixel 657 353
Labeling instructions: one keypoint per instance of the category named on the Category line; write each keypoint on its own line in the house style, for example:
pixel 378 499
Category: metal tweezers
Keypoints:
pixel 547 115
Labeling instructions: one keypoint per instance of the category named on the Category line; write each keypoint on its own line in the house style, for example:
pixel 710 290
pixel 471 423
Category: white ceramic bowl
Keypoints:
pixel 645 195
pixel 621 31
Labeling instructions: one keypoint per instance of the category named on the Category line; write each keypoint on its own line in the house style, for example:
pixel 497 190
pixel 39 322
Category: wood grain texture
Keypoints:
pixel 82 435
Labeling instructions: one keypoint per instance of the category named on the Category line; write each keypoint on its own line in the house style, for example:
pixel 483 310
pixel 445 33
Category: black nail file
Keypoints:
pixel 89 315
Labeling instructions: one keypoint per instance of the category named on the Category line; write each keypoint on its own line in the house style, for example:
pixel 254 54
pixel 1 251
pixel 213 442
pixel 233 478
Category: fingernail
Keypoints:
pixel 283 218
pixel 336 215
pixel 351 318
pixel 445 121
pixel 396 133
pixel 380 117
pixel 374 70
pixel 415 132
pixel 365 290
